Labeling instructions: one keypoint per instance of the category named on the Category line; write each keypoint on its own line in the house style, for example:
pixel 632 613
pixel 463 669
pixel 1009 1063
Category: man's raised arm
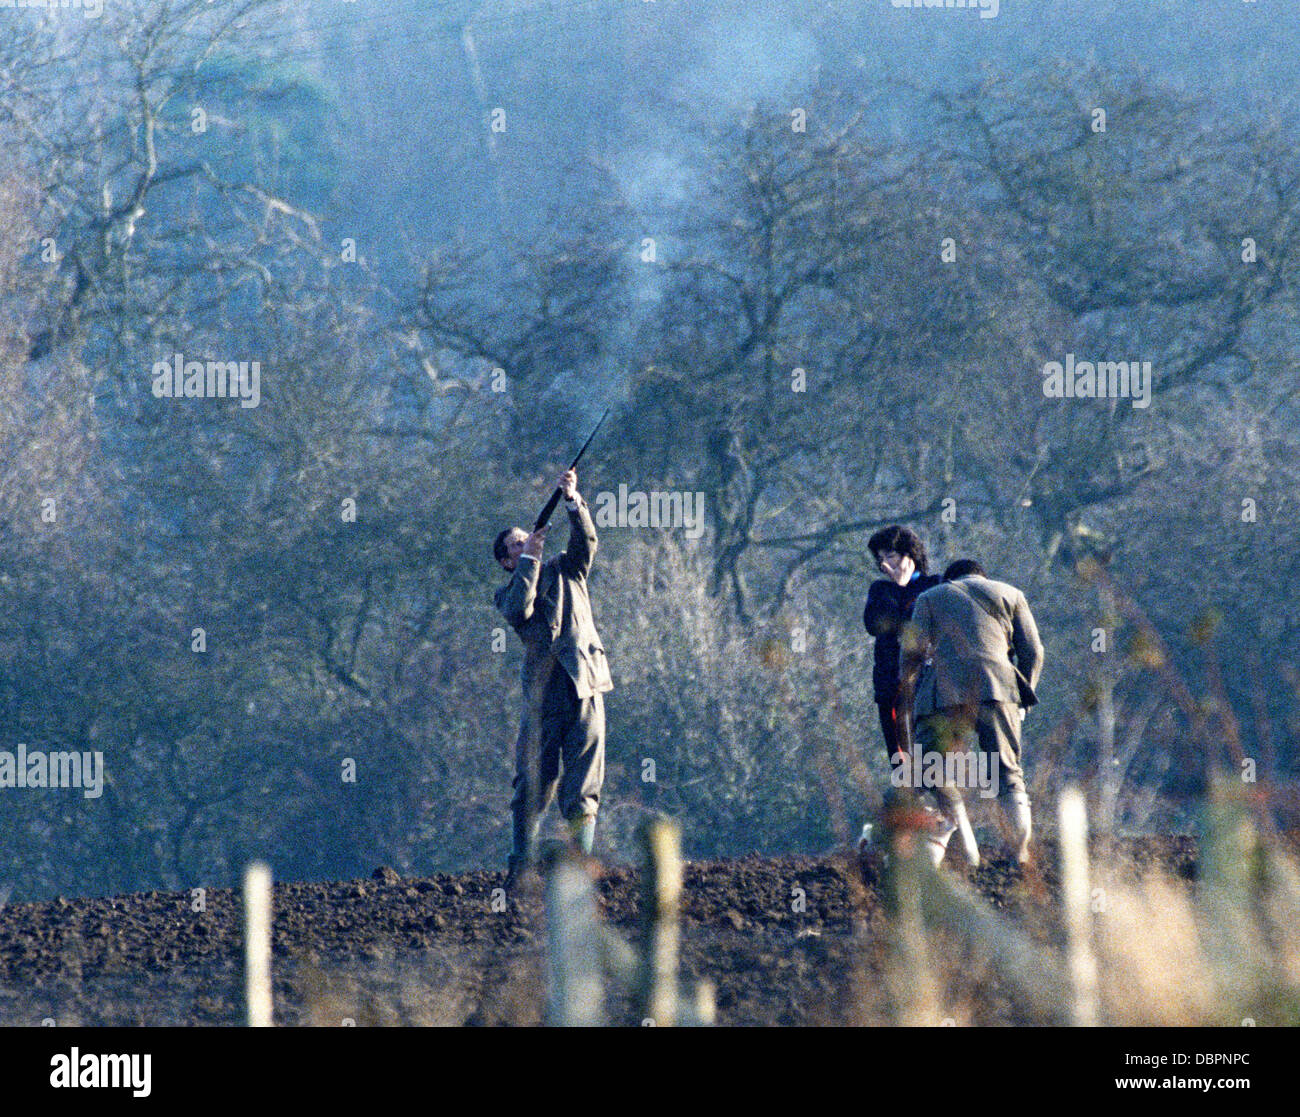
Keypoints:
pixel 582 546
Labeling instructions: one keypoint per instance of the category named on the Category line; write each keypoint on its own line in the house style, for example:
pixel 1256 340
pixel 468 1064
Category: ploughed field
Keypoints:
pixel 788 940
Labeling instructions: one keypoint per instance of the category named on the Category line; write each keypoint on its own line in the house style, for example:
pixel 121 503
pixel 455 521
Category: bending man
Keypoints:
pixel 985 659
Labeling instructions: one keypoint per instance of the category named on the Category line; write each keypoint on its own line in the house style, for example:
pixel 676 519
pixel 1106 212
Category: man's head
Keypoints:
pixel 960 568
pixel 898 551
pixel 508 546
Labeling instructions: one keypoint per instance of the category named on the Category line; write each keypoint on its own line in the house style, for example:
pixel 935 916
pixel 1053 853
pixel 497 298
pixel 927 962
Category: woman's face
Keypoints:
pixel 897 568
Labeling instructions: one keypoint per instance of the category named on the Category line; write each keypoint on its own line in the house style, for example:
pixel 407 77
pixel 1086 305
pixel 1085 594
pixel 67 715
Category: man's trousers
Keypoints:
pixel 565 753
pixel 996 728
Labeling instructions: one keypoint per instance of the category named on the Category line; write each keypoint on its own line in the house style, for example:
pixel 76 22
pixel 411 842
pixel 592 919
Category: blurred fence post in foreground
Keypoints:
pixel 910 982
pixel 577 994
pixel 582 952
pixel 257 944
pixel 661 877
pixel 1076 893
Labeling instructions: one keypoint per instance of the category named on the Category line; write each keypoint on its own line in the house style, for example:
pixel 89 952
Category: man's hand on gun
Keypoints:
pixel 534 543
pixel 568 484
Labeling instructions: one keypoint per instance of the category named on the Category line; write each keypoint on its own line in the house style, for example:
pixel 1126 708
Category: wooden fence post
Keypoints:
pixel 1076 897
pixel 576 994
pixel 257 945
pixel 909 978
pixel 661 846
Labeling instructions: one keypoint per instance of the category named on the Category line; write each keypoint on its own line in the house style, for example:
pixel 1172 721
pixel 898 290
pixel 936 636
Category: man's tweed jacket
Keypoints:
pixel 547 604
pixel 972 628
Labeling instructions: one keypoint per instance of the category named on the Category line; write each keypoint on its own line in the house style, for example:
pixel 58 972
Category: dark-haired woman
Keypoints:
pixel 900 556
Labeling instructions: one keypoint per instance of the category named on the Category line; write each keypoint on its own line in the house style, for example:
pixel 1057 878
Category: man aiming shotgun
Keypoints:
pixel 561 743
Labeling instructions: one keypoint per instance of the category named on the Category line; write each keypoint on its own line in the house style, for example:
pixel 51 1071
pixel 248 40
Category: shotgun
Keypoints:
pixel 555 496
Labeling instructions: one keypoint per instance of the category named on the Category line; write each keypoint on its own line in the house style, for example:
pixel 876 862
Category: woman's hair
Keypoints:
pixel 904 540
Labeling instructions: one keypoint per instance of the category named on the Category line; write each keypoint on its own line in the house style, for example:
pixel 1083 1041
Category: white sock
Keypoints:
pixel 937 842
pixel 937 846
pixel 969 846
pixel 1018 814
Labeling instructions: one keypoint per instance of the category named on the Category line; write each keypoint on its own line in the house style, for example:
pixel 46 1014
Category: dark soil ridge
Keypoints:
pixel 787 940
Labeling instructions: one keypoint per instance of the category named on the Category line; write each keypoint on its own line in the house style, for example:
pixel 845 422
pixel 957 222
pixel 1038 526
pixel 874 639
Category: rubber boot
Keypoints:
pixel 583 830
pixel 1016 807
pixel 515 865
pixel 521 852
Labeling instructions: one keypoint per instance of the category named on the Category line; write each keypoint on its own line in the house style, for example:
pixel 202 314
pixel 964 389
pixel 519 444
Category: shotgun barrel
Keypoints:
pixel 555 496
